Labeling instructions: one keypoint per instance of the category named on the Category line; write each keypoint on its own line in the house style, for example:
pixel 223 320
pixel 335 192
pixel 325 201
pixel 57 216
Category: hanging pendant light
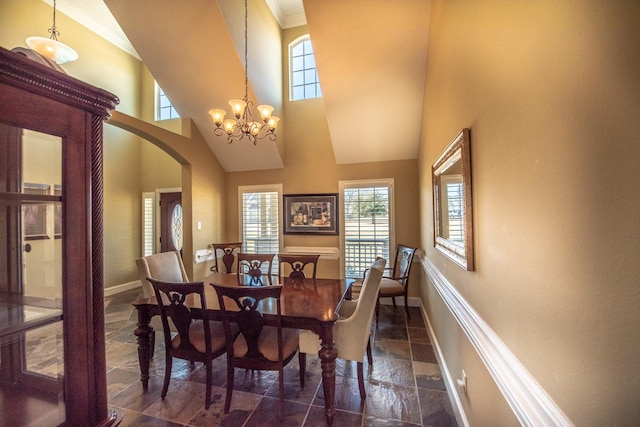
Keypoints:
pixel 244 123
pixel 51 47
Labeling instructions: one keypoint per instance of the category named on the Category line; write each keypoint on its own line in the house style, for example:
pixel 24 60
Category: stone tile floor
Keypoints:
pixel 404 385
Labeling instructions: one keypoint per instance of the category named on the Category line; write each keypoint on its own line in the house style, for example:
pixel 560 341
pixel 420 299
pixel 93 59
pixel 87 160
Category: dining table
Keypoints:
pixel 306 303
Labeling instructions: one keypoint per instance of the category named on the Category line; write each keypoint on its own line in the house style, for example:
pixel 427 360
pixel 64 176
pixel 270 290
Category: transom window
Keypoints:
pixel 164 108
pixel 303 74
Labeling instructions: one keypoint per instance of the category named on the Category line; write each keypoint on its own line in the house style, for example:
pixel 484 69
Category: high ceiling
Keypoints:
pixel 370 54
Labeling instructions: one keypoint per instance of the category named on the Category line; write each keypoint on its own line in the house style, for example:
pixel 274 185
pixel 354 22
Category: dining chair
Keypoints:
pixel 396 283
pixel 257 347
pixel 166 266
pixel 228 255
pixel 297 263
pixel 352 329
pixel 198 339
pixel 255 265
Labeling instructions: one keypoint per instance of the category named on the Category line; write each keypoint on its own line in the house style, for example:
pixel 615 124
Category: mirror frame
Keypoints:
pixel 458 149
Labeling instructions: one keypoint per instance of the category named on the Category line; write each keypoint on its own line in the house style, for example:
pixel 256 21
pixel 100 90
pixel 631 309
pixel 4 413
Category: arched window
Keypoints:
pixel 303 76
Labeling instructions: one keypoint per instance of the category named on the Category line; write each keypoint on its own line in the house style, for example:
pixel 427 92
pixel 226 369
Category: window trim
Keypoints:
pixel 156 104
pixel 366 183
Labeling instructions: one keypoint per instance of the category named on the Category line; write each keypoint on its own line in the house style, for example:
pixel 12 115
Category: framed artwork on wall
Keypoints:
pixel 311 214
pixel 34 215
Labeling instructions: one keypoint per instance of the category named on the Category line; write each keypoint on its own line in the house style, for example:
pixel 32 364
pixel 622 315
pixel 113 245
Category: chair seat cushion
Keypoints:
pixel 268 343
pixel 390 287
pixel 196 335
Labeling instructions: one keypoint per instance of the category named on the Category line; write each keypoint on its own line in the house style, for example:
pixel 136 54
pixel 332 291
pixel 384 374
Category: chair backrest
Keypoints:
pixel 352 333
pixel 166 266
pixel 402 263
pixel 228 255
pixel 298 264
pixel 172 298
pixel 255 265
pixel 246 314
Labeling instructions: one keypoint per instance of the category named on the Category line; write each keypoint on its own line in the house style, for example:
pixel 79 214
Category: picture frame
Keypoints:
pixel 34 215
pixel 311 214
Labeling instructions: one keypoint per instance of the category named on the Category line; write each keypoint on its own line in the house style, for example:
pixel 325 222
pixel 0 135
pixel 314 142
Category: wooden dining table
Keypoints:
pixel 310 304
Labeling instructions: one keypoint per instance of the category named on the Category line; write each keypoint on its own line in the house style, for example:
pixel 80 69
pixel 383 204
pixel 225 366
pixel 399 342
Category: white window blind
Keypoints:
pixel 147 223
pixel 260 220
pixel 367 220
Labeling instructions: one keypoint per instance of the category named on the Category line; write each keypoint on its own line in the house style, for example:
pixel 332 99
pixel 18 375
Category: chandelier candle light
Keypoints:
pixel 244 124
pixel 51 47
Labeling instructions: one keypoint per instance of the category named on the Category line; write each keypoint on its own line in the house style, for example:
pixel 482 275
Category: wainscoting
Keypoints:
pixel 531 405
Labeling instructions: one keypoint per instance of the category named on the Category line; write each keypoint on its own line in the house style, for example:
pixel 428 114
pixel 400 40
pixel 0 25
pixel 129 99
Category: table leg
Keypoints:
pixel 143 331
pixel 328 354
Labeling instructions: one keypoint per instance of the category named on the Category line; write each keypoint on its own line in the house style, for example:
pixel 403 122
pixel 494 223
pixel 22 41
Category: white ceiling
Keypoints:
pixel 371 58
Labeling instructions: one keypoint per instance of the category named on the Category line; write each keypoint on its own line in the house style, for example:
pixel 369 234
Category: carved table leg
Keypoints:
pixel 143 331
pixel 328 354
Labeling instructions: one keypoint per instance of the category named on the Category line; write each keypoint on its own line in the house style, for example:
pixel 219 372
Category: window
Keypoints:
pixel 303 74
pixel 148 204
pixel 164 108
pixel 260 219
pixel 454 222
pixel 367 209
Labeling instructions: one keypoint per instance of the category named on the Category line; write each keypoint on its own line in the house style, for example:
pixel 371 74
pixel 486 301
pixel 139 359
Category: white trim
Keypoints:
pixel 112 290
pixel 461 416
pixel 531 405
pixel 325 252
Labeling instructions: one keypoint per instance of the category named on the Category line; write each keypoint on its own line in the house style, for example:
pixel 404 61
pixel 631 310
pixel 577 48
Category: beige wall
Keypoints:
pixel 550 92
pixel 310 167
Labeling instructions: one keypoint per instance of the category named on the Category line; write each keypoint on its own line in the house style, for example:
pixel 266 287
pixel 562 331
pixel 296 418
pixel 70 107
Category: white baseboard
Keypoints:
pixel 530 403
pixel 112 290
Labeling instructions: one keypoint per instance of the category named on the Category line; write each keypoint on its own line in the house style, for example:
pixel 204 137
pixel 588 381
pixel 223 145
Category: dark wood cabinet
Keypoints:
pixel 56 280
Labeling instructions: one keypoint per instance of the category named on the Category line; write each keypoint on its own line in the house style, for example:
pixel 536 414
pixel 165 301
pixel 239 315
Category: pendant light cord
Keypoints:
pixel 246 63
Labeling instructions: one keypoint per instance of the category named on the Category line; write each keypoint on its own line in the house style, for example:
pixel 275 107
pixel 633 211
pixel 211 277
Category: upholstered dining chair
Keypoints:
pixel 257 347
pixel 228 251
pixel 396 283
pixel 298 263
pixel 352 329
pixel 166 266
pixel 255 265
pixel 198 339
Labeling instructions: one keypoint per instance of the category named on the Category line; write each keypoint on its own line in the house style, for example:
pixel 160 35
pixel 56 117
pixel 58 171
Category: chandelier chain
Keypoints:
pixel 53 30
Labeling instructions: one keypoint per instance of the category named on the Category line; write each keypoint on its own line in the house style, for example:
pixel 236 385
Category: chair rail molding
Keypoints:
pixel 530 403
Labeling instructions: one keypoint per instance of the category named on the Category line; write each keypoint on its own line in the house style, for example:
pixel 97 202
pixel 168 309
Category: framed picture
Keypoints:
pixel 311 214
pixel 34 215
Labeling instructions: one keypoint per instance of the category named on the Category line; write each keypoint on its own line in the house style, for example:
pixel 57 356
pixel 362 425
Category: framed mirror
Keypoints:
pixel 452 202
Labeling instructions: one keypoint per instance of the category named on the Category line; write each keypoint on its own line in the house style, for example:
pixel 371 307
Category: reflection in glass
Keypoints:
pixel 31 339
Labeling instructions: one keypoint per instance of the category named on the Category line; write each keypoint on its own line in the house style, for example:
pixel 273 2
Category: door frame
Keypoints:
pixel 156 215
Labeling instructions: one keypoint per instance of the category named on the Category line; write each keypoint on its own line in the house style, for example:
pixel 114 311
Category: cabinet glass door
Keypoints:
pixel 31 288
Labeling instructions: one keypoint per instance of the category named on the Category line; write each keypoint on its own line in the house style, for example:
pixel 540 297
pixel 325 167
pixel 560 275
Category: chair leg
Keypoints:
pixel 152 344
pixel 369 354
pixel 227 401
pixel 167 375
pixel 394 301
pixel 302 361
pixel 377 310
pixel 207 401
pixel 281 393
pixel 363 393
pixel 406 306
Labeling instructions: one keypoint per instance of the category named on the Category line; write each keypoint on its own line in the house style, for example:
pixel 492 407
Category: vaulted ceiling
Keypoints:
pixel 370 54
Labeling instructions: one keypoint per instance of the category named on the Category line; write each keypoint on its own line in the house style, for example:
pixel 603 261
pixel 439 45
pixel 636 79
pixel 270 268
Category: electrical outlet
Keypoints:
pixel 462 382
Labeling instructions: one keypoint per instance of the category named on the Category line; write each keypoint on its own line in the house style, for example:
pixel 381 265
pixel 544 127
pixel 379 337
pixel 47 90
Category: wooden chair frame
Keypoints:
pixel 254 263
pixel 171 297
pixel 398 273
pixel 298 264
pixel 228 257
pixel 251 323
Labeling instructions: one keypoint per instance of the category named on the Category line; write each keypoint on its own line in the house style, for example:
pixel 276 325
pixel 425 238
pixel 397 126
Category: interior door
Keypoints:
pixel 171 225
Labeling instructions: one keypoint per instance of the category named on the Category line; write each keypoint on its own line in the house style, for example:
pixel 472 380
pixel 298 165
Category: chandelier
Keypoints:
pixel 51 47
pixel 244 123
